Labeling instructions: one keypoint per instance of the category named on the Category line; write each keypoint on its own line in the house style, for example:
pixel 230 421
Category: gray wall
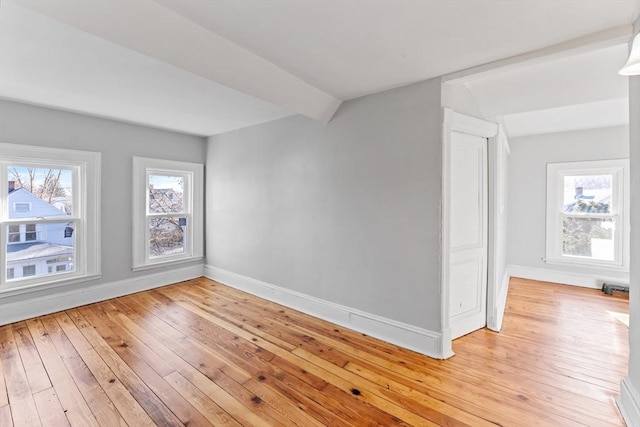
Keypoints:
pixel 118 142
pixel 347 212
pixel 528 185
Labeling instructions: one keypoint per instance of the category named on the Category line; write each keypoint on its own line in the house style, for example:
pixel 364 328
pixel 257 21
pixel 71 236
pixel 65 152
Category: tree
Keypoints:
pixel 46 189
pixel 166 233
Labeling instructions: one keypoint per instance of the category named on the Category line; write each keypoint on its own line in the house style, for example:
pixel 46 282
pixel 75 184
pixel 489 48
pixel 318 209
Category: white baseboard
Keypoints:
pixel 498 313
pixel 629 403
pixel 26 308
pixel 408 336
pixel 567 278
pixel 446 344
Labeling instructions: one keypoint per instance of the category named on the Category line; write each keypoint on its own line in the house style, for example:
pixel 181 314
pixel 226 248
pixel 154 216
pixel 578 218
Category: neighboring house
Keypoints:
pixel 35 249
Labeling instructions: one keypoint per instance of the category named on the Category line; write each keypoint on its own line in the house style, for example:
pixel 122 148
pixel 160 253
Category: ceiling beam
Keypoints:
pixel 151 29
pixel 590 42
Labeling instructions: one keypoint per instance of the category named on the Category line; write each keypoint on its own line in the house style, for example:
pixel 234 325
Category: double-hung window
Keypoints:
pixel 167 212
pixel 588 214
pixel 49 216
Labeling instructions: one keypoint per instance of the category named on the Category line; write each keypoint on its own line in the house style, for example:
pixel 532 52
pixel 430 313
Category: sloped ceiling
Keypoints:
pixel 210 66
pixel 576 92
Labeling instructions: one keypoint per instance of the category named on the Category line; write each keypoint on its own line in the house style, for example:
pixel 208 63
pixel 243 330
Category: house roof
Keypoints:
pixel 24 251
pixel 39 207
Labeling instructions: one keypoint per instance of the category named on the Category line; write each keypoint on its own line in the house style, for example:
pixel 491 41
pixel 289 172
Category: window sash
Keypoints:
pixel 616 185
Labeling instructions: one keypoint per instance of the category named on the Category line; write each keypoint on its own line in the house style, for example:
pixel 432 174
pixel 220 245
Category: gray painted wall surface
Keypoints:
pixel 528 185
pixel 118 142
pixel 347 212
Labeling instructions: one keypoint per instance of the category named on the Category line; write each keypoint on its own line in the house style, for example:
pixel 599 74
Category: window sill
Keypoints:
pixel 18 290
pixel 590 265
pixel 167 263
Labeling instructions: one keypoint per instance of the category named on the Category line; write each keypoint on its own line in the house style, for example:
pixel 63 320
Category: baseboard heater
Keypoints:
pixel 610 288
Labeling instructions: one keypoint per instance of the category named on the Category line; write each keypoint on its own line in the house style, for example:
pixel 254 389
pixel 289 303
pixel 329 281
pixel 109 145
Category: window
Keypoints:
pixel 22 207
pixel 588 214
pixel 28 270
pixel 167 212
pixel 20 233
pixel 13 234
pixel 46 192
pixel 30 232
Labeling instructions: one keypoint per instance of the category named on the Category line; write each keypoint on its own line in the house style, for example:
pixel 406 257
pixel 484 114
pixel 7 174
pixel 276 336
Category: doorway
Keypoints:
pixel 465 223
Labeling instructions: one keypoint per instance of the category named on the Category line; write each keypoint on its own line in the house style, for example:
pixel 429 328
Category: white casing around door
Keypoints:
pixel 468 233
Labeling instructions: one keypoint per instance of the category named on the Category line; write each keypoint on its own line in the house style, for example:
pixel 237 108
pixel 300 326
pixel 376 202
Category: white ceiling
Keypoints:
pixel 580 91
pixel 591 115
pixel 48 63
pixel 588 77
pixel 206 67
pixel 351 48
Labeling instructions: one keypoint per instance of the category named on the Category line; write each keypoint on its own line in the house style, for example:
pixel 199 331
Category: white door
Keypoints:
pixel 468 233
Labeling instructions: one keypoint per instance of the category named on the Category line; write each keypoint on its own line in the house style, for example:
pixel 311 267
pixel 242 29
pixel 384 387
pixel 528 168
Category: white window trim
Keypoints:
pixel 194 191
pixel 87 215
pixel 619 168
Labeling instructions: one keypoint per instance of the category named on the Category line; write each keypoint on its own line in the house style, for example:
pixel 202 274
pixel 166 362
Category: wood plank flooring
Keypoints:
pixel 200 353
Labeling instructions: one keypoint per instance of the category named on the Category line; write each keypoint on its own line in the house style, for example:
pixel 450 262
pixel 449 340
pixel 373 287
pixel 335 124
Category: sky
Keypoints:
pixel 166 181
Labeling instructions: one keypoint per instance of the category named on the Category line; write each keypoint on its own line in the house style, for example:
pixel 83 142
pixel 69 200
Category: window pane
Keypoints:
pixel 166 236
pixel 588 193
pixel 30 234
pixel 13 233
pixel 166 194
pixel 40 246
pixel 39 192
pixel 589 237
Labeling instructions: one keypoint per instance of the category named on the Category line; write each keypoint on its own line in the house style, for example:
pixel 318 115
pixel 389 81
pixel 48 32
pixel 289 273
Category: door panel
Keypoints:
pixel 467 296
pixel 466 197
pixel 468 231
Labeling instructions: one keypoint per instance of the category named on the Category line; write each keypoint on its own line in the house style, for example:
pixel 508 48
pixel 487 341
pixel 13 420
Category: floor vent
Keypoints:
pixel 610 288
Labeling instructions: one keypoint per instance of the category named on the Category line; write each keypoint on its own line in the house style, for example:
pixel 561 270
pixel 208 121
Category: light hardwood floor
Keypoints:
pixel 200 353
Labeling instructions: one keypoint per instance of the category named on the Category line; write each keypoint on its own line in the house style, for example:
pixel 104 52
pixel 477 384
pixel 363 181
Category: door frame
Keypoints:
pixel 454 121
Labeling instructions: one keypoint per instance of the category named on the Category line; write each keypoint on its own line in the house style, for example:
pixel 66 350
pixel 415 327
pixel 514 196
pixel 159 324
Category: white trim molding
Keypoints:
pixel 454 121
pixel 629 403
pixel 15 311
pixel 587 280
pixel 404 335
pixel 497 316
pixel 498 277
